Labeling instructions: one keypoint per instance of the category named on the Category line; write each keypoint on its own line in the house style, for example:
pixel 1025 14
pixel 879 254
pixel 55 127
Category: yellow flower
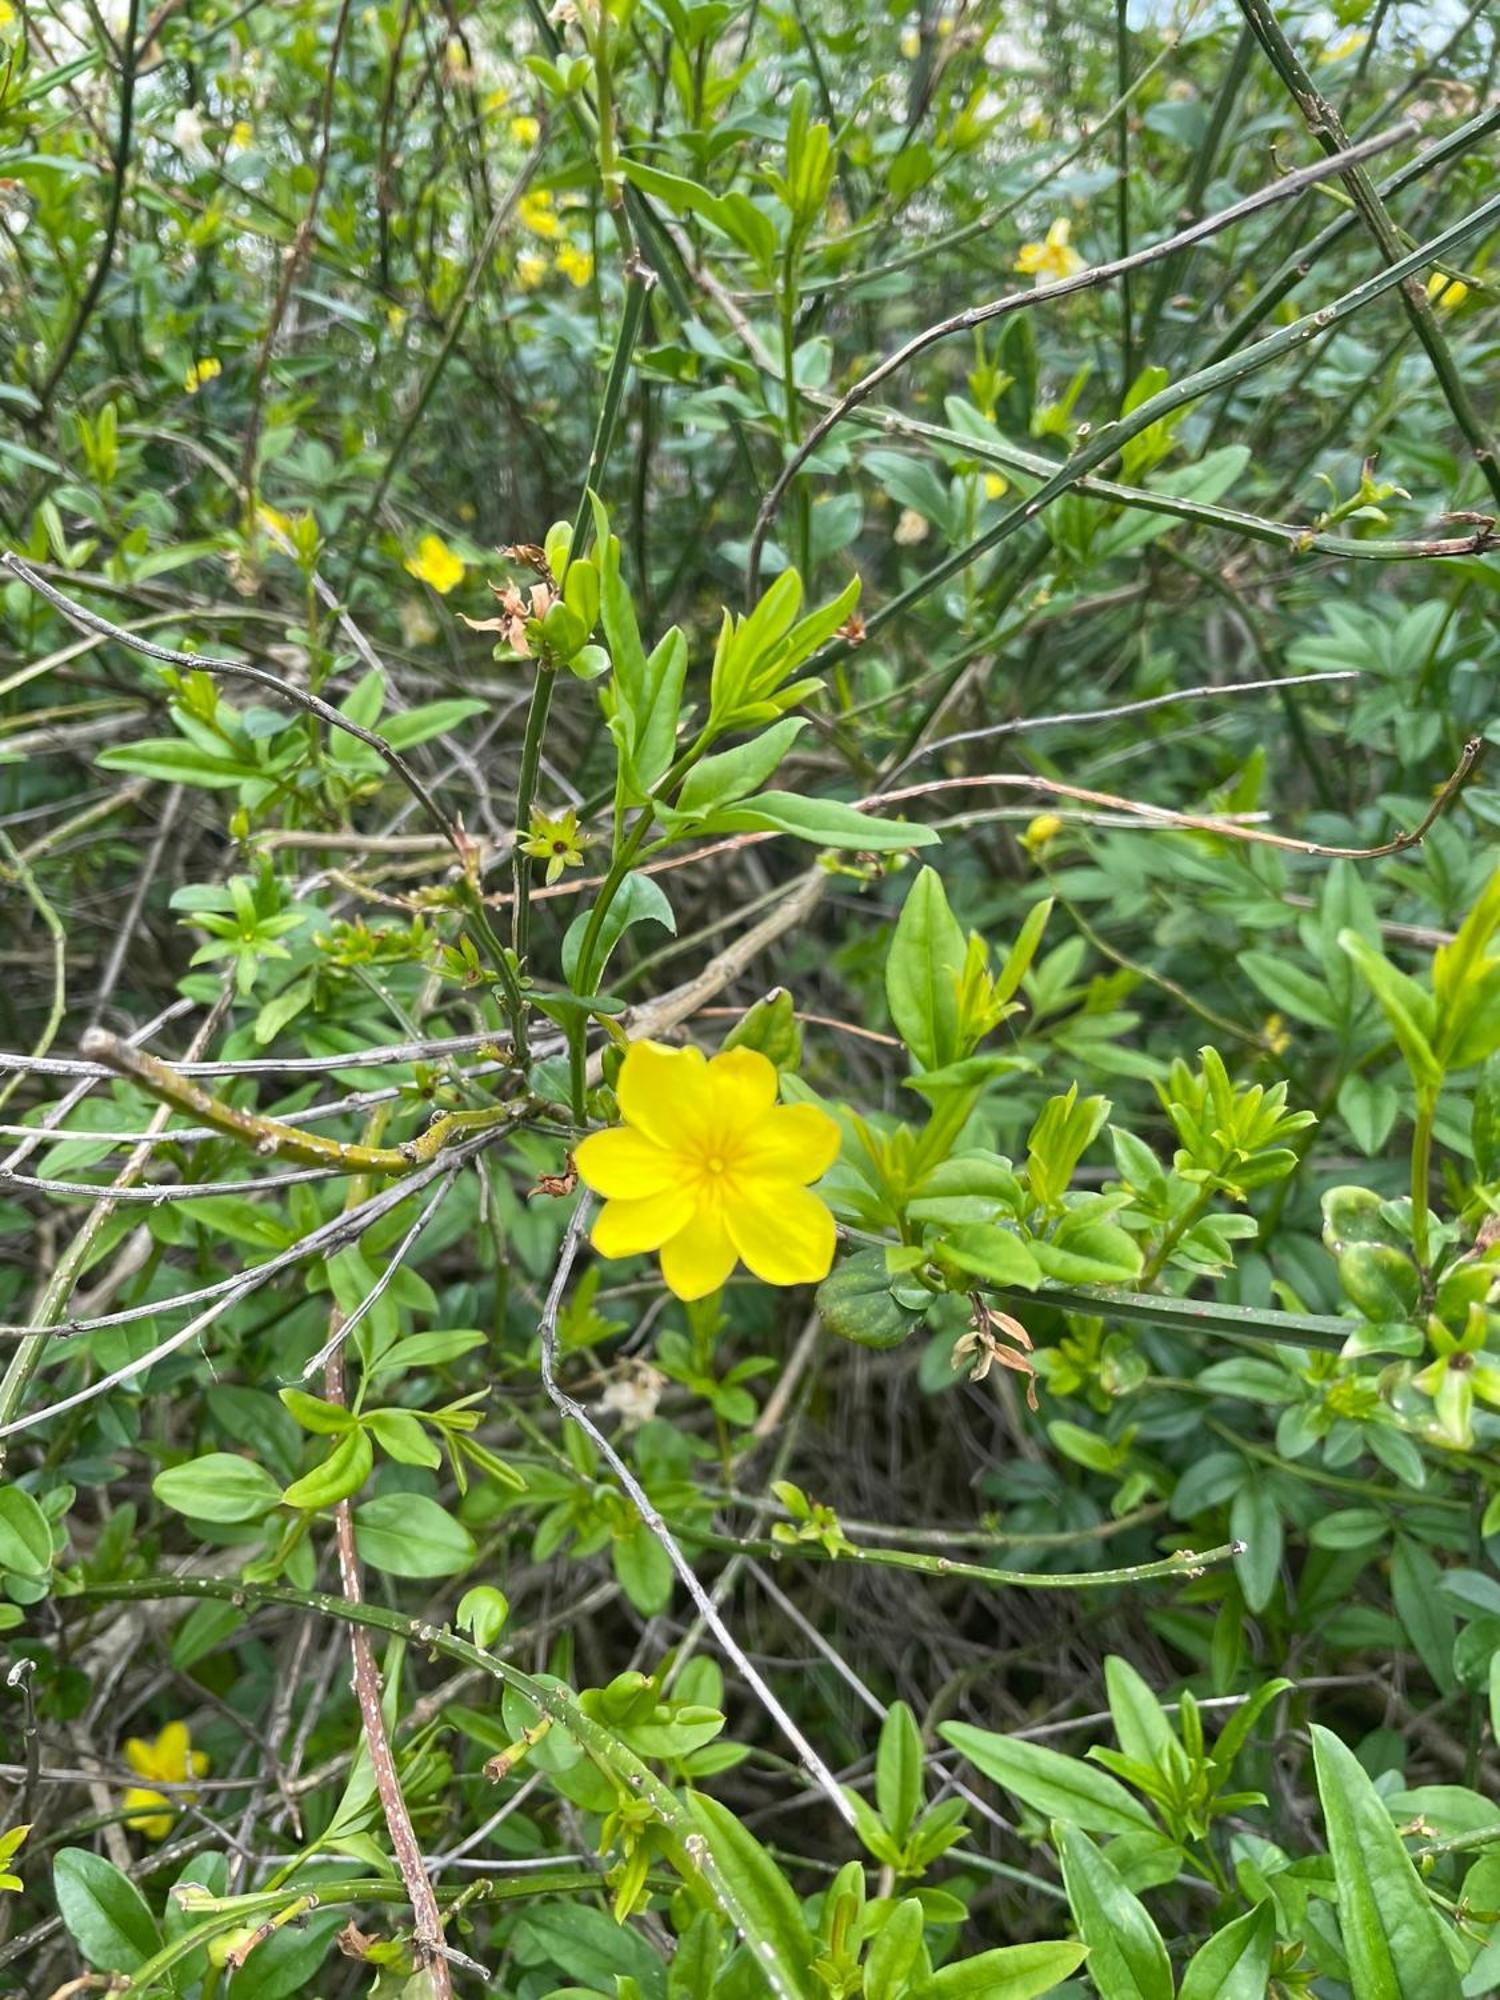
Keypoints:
pixel 1274 1033
pixel 200 372
pixel 1336 51
pixel 170 1760
pixel 272 517
pixel 525 131
pixel 1446 292
pixel 1055 258
pixel 556 841
pixel 241 137
pixel 535 211
pixel 995 484
pixel 7 14
pixel 911 44
pixel 1044 828
pixel 435 563
pixel 575 263
pixel 708 1168
pixel 530 270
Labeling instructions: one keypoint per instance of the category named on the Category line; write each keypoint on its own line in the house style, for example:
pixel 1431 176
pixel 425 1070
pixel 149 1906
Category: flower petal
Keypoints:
pixel 784 1234
pixel 141 1757
pixel 626 1228
pixel 790 1142
pixel 625 1164
pixel 155 1825
pixel 664 1093
pixel 699 1258
pixel 172 1747
pixel 743 1082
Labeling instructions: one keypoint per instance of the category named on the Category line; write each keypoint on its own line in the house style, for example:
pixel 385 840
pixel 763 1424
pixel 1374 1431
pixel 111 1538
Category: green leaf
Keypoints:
pixel 772 1916
pixel 1409 1011
pixel 994 1254
pixel 824 822
pixel 1416 1588
pixel 638 900
pixel 893 1952
pixel 221 1486
pixel 1127 1959
pixel 1291 988
pixel 587 1944
pixel 1255 1520
pixel 1058 1787
pixel 922 970
pixel 898 1770
pixel 855 1301
pixel 722 780
pixel 1140 1721
pixel 1012 1972
pixel 1393 1938
pixel 105 1914
pixel 322 1418
pixel 343 1472
pixel 25 1537
pixel 433 718
pixel 407 1534
pixel 1236 1961
pixel 401 1437
pixel 177 763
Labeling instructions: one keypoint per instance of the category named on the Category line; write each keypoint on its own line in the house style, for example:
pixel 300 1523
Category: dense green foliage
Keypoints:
pixel 508 559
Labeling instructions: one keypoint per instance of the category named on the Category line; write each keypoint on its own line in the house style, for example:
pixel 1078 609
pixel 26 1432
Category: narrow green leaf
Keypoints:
pixel 1393 1938
pixel 1058 1787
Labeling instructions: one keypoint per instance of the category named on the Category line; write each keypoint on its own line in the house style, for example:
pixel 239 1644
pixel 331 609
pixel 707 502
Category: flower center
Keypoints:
pixel 716 1163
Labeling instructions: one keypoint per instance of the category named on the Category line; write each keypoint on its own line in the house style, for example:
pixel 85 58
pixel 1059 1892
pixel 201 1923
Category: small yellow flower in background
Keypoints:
pixel 7 15
pixel 530 270
pixel 14 1837
pixel 1336 51
pixel 272 517
pixel 911 44
pixel 1055 258
pixel 1044 828
pixel 1274 1034
pixel 575 263
pixel 435 563
pixel 555 840
pixel 200 372
pixel 241 137
pixel 709 1169
pixel 525 130
pixel 1446 292
pixel 395 318
pixel 170 1760
pixel 535 211
pixel 995 485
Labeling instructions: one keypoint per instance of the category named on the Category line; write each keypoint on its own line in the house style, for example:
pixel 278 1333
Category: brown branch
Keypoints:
pixel 1200 822
pixel 431 1951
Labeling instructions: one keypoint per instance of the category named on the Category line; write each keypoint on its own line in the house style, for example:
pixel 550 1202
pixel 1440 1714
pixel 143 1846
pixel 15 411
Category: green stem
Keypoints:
pixel 1122 192
pixel 1187 1563
pixel 531 763
pixel 1421 1171
pixel 1108 439
pixel 1326 127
